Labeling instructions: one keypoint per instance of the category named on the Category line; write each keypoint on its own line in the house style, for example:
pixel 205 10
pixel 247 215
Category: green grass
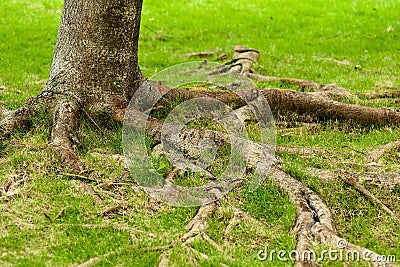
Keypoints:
pixel 316 40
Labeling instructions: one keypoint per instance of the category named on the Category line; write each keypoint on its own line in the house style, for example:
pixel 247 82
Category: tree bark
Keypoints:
pixel 95 60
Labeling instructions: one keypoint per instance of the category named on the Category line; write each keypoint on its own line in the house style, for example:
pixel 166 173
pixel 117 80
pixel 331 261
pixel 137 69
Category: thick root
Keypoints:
pixel 304 103
pixel 310 210
pixel 14 120
pixel 63 135
pixel 314 221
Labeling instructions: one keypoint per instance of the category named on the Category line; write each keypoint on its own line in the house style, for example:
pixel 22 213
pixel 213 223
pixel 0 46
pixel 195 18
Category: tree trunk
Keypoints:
pixel 95 60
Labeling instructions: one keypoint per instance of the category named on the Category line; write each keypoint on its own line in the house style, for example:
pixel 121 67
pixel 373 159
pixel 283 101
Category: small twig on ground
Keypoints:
pixel 48 217
pixel 60 214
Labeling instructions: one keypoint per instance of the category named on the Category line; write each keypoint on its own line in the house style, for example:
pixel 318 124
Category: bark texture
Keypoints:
pixel 95 60
pixel 288 101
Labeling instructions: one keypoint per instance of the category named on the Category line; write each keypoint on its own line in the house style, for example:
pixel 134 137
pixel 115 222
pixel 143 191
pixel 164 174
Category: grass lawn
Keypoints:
pixel 52 222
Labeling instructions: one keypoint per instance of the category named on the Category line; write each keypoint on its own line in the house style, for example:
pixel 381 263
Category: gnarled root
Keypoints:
pixel 314 222
pixel 63 135
pixel 14 120
pixel 199 223
pixel 289 101
pixel 197 228
pixel 310 210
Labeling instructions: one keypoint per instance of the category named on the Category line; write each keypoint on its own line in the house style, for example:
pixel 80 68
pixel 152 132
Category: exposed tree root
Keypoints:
pixel 289 101
pixel 110 209
pixel 89 190
pixel 314 221
pixel 237 216
pixel 286 126
pixel 355 179
pixel 387 180
pixel 164 260
pixel 386 101
pixel 303 84
pixel 321 108
pixel 14 120
pixel 350 180
pixel 63 135
pixel 232 223
pixel 197 228
pixel 201 54
pixel 303 151
pixel 332 239
pixel 199 223
pixel 310 210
